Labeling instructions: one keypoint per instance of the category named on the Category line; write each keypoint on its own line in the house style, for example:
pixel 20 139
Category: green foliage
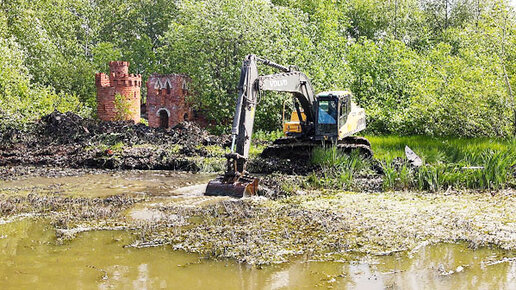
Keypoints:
pixel 22 101
pixel 103 53
pixel 439 68
pixel 209 39
pixel 435 150
pixel 118 147
pixel 338 168
pixel 481 163
pixel 270 136
pixel 494 172
pixel 449 163
pixel 122 108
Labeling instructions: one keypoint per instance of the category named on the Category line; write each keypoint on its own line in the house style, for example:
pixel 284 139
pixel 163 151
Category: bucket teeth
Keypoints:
pixel 246 185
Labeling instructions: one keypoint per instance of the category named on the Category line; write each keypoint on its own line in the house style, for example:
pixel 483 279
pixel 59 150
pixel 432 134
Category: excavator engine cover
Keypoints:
pixel 245 185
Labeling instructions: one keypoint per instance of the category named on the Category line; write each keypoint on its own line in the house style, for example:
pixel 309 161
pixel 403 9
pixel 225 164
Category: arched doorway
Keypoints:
pixel 163 119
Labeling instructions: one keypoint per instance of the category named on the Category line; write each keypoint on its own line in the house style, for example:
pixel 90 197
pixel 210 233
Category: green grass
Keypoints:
pixel 261 135
pixel 447 163
pixel 435 150
pixel 338 169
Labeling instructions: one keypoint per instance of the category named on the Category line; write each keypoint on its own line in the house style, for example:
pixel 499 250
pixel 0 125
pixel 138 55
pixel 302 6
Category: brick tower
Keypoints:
pixel 166 100
pixel 119 81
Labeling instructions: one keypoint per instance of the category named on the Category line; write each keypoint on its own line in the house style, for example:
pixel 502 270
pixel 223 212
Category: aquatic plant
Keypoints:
pixel 261 135
pixel 481 163
pixel 338 168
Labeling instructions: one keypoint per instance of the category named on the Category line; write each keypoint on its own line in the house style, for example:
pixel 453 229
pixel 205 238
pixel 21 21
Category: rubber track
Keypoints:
pixel 290 148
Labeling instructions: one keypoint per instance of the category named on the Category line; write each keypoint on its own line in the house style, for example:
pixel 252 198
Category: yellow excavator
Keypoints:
pixel 328 118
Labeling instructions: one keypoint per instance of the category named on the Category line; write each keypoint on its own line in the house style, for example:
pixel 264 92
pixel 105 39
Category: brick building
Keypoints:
pixel 119 81
pixel 166 100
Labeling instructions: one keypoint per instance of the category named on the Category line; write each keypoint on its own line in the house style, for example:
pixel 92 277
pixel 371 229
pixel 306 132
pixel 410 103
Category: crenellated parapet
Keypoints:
pixel 126 81
pixel 102 80
pixel 118 81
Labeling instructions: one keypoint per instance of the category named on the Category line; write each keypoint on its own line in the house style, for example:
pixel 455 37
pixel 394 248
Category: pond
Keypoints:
pixel 30 257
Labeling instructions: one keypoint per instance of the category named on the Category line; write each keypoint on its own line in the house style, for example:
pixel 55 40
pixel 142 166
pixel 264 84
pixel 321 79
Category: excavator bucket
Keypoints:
pixel 244 186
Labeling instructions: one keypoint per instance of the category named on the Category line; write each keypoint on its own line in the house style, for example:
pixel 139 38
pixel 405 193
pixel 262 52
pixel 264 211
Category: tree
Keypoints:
pixel 209 39
pixel 21 100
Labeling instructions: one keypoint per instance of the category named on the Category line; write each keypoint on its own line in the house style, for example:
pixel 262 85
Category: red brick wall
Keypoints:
pixel 167 92
pixel 119 81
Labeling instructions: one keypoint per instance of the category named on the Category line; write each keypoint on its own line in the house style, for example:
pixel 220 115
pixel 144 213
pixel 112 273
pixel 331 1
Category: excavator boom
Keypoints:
pixel 236 181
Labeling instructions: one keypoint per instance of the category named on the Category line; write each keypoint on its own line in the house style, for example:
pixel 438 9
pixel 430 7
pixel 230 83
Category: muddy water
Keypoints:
pixel 152 183
pixel 31 257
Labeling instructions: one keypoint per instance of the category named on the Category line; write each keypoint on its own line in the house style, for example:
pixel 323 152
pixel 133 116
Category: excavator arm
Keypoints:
pixel 236 181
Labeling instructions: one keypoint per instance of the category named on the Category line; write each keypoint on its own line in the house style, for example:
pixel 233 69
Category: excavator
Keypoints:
pixel 328 118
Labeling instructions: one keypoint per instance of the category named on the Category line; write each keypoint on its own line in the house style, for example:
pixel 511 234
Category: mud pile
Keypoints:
pixel 68 140
pixel 70 128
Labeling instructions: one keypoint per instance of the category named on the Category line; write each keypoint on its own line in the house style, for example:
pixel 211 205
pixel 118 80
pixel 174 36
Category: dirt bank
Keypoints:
pixel 67 140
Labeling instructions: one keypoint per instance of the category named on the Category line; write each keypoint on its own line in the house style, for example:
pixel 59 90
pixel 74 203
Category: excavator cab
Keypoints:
pixel 337 116
pixel 327 117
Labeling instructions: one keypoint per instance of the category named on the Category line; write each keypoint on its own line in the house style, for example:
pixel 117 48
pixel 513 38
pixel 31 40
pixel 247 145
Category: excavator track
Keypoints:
pixel 291 148
pixel 355 140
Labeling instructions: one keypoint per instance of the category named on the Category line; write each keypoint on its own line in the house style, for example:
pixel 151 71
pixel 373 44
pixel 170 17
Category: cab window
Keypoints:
pixel 327 112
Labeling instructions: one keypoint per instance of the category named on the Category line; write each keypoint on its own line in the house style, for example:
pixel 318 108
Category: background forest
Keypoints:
pixel 432 67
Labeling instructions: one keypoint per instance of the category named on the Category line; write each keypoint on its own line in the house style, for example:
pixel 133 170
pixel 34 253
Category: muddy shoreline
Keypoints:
pixel 67 140
pixel 75 144
pixel 167 208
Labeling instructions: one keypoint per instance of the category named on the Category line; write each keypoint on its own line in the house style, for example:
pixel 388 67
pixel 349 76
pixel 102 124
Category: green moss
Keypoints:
pixel 214 150
pixel 175 149
pixel 118 147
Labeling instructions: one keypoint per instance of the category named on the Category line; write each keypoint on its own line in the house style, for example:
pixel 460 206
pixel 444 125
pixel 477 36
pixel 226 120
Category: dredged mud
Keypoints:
pixel 68 140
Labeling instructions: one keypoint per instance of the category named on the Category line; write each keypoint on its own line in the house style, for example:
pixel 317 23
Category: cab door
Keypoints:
pixel 327 118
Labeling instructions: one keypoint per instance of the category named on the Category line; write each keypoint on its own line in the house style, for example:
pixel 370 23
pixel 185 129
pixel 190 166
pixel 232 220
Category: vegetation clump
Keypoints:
pixel 335 226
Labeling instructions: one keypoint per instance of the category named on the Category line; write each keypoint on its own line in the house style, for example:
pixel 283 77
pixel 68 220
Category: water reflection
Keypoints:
pixel 30 258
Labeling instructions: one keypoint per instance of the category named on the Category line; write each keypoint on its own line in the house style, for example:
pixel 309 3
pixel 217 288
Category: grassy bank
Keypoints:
pixel 448 163
pixel 438 150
